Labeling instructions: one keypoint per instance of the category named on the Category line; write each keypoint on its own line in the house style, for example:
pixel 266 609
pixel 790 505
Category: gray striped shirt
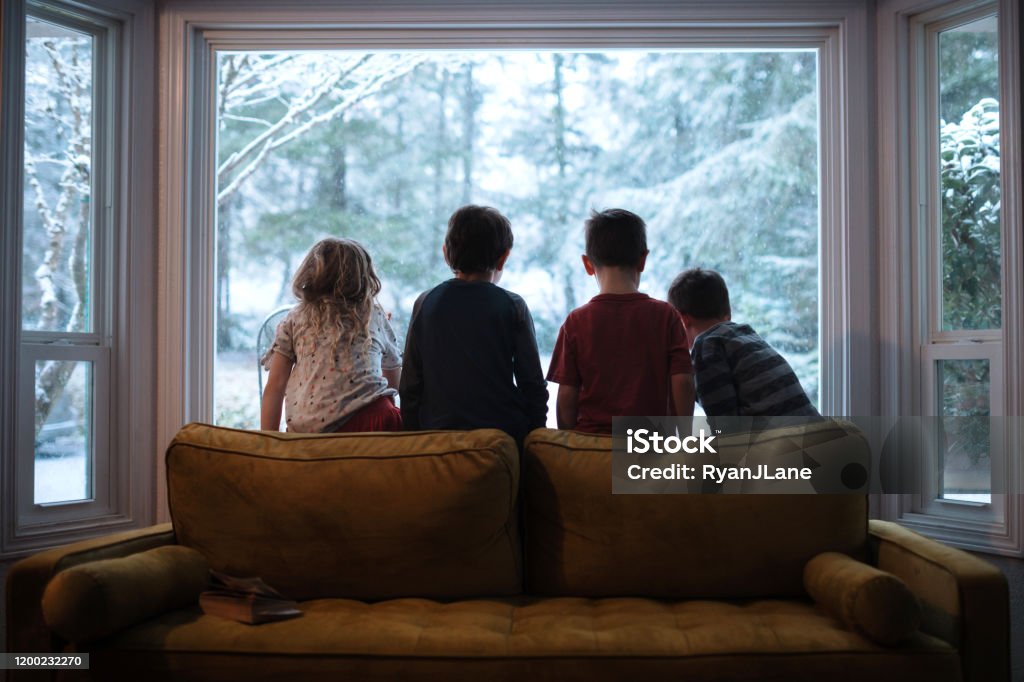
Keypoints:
pixel 738 373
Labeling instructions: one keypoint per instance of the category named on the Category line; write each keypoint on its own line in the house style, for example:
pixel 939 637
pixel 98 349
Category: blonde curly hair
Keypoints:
pixel 337 288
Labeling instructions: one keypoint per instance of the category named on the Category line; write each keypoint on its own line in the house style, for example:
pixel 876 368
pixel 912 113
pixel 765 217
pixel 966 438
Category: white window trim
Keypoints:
pixel 122 338
pixel 191 31
pixel 999 528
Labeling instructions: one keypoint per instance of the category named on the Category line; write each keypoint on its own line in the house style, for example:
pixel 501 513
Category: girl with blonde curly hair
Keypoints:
pixel 335 361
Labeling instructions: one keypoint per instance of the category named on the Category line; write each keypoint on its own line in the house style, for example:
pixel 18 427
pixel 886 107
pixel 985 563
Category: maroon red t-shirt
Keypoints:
pixel 620 350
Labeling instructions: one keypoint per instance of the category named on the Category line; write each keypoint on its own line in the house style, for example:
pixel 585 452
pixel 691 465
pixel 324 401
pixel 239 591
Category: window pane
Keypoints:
pixel 64 428
pixel 57 231
pixel 716 150
pixel 969 182
pixel 964 406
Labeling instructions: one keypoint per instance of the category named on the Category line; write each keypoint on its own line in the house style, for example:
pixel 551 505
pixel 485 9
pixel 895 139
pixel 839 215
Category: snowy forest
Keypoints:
pixel 717 151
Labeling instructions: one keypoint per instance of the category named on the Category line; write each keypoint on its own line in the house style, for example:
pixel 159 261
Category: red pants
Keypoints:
pixel 380 415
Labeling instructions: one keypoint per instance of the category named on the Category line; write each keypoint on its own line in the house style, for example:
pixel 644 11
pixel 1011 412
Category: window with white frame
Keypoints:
pixel 961 285
pixel 221 226
pixel 65 327
pixel 961 301
pixel 544 132
pixel 64 471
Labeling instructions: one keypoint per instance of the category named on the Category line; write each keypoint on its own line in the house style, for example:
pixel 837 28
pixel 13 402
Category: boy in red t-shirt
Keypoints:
pixel 623 354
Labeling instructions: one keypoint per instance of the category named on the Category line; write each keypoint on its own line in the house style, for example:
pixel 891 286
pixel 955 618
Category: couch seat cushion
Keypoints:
pixel 559 638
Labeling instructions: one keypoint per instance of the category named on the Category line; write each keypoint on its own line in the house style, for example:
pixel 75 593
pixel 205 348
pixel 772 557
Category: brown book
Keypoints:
pixel 247 600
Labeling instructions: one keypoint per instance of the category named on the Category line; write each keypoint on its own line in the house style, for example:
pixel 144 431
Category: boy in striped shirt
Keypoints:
pixel 737 372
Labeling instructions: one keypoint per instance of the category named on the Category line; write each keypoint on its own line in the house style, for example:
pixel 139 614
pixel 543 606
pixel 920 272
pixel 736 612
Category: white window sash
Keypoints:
pixel 35 518
pixel 991 515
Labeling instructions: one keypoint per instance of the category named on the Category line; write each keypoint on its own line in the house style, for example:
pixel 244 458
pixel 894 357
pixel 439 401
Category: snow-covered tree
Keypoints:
pixel 57 235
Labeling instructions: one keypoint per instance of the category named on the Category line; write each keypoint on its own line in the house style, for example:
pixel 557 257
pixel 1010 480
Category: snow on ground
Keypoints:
pixel 59 479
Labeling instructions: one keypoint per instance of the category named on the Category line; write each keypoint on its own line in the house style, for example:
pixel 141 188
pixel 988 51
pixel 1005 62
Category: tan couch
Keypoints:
pixel 435 556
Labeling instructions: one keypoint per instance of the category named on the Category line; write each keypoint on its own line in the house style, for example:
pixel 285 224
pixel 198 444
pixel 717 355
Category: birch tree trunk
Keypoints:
pixel 70 217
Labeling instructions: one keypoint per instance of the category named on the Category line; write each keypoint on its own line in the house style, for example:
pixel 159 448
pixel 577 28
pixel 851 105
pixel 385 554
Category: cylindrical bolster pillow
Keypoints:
pixel 98 598
pixel 874 603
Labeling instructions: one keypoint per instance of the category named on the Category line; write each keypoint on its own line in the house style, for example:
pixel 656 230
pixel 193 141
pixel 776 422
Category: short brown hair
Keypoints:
pixel 477 238
pixel 615 237
pixel 701 294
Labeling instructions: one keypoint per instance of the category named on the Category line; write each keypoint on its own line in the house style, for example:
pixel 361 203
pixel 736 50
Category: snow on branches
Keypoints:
pixel 308 89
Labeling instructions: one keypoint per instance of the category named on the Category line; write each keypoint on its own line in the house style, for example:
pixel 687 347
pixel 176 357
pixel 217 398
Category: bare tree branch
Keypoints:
pixel 261 67
pixel 257 143
pixel 279 134
pixel 246 119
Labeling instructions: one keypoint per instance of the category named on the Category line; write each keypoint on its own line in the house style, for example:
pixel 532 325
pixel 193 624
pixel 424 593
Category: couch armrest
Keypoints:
pixel 26 630
pixel 964 600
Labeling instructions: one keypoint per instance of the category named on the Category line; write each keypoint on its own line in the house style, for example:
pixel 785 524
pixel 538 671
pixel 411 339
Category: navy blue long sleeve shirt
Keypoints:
pixel 471 362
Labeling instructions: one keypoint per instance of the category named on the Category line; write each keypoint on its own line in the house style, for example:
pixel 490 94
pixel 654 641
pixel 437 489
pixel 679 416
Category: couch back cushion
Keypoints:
pixel 362 516
pixel 582 540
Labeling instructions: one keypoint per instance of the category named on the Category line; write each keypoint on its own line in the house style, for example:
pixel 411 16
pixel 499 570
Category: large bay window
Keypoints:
pixel 890 274
pixel 739 142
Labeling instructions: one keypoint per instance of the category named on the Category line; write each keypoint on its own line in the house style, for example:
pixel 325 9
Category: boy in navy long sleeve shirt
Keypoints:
pixel 471 356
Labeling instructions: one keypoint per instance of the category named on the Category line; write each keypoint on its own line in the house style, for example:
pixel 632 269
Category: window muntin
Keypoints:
pixel 544 137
